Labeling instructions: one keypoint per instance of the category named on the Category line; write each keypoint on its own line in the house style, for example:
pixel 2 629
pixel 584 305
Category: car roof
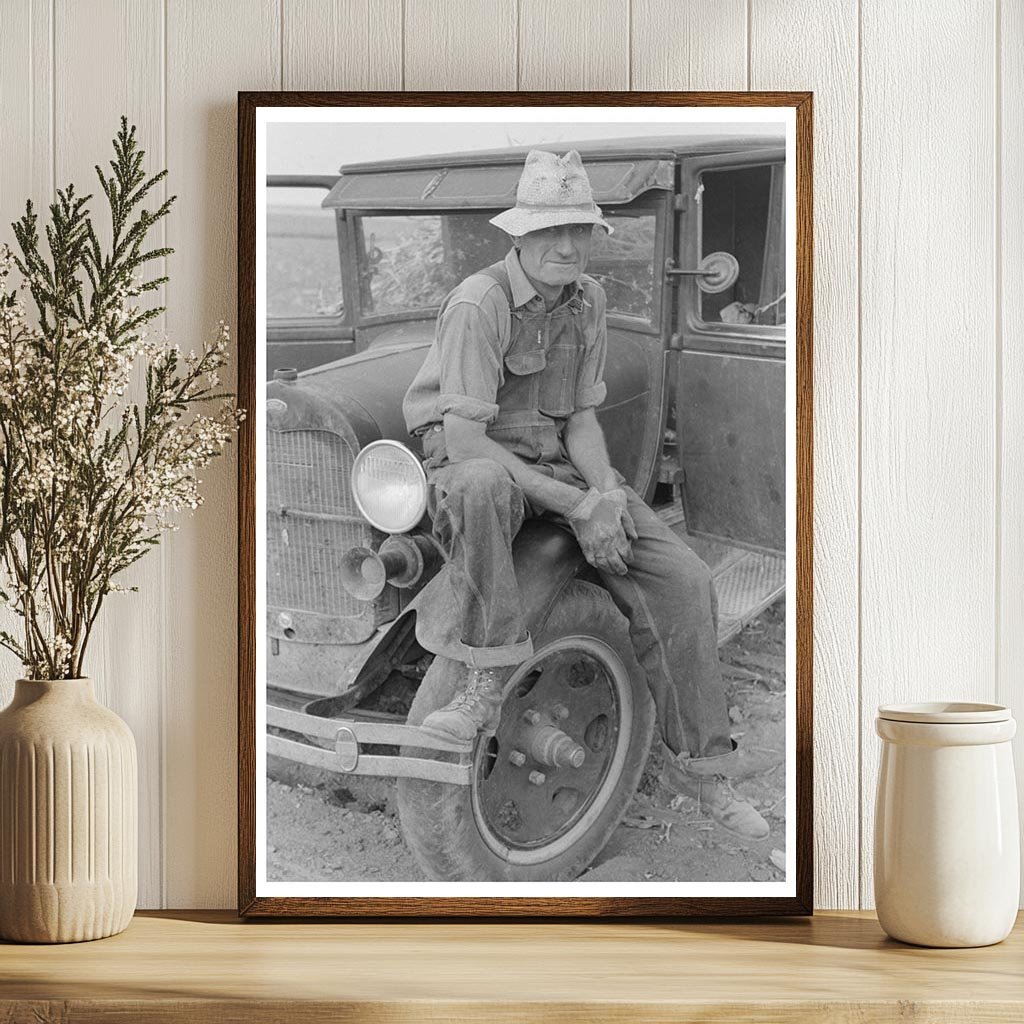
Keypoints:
pixel 666 147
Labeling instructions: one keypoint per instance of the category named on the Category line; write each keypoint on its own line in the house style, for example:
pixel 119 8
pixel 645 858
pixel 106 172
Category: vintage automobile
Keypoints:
pixel 695 420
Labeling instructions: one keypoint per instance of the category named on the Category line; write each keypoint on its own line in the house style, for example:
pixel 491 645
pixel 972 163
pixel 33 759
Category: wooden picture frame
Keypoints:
pixel 257 897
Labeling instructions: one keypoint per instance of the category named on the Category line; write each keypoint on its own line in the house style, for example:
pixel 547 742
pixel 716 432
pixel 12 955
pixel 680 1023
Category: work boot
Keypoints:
pixel 476 708
pixel 715 797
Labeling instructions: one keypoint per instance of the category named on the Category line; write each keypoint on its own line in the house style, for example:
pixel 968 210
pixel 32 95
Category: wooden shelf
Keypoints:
pixel 208 966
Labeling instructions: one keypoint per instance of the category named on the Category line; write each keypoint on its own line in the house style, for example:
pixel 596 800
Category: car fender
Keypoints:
pixel 545 555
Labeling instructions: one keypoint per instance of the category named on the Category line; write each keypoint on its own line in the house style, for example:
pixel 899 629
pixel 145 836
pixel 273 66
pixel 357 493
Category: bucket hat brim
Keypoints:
pixel 521 220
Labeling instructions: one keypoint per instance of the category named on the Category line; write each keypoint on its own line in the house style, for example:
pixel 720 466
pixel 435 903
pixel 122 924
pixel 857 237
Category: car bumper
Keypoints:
pixel 339 746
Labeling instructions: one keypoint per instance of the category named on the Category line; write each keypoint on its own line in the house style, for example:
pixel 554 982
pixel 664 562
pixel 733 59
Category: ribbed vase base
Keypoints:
pixel 63 913
pixel 68 815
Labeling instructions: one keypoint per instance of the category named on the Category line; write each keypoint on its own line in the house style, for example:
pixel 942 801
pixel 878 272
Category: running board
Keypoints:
pixel 746 581
pixel 745 588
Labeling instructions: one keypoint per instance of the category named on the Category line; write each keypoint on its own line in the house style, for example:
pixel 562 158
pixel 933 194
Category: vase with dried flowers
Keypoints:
pixel 103 430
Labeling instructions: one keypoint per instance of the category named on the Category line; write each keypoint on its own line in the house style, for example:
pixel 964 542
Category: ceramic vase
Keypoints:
pixel 68 815
pixel 947 847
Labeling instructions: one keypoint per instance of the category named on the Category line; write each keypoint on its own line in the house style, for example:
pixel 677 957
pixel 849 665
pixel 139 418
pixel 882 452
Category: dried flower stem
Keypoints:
pixel 89 478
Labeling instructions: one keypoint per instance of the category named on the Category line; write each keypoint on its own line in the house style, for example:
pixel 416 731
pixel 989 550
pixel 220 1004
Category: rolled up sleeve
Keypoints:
pixel 470 357
pixel 590 386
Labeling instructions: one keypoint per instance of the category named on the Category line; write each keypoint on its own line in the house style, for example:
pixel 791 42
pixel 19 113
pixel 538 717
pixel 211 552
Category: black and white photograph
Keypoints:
pixel 525 510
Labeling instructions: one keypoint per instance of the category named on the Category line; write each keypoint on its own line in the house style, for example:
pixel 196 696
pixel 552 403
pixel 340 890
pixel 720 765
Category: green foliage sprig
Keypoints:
pixel 89 478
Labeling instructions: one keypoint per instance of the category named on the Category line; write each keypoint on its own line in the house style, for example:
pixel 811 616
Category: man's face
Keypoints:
pixel 556 256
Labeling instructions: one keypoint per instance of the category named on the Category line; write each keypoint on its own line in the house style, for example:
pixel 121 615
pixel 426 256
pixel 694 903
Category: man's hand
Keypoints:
pixel 604 530
pixel 618 495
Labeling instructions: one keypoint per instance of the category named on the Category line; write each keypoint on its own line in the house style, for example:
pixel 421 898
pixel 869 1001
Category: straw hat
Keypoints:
pixel 553 190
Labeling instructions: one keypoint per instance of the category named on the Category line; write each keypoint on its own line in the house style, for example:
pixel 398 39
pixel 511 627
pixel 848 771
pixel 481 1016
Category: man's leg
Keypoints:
pixel 668 597
pixel 475 605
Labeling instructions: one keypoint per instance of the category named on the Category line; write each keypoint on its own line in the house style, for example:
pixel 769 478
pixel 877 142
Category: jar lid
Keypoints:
pixel 945 712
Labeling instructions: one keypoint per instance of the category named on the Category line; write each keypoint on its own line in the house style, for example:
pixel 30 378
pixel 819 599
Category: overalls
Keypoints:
pixel 475 612
pixel 539 387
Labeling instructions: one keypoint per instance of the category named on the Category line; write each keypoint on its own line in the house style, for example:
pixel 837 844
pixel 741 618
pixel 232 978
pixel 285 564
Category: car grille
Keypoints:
pixel 308 475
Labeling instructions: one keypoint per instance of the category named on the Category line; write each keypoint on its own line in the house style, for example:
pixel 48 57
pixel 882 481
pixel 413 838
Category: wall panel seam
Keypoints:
pixel 997 320
pixel 750 43
pixel 31 91
pixel 629 45
pixel 519 36
pixel 32 96
pixel 53 98
pixel 162 701
pixel 859 477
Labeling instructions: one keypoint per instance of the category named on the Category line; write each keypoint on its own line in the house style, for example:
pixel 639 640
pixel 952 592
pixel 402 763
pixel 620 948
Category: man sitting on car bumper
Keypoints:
pixel 505 404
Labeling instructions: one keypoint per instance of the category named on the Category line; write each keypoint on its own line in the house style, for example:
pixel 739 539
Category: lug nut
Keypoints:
pixel 538 778
pixel 561 712
pixel 531 716
pixel 518 758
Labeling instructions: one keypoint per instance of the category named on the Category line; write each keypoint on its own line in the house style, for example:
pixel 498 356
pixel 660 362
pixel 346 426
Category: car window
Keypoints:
pixel 743 213
pixel 623 262
pixel 303 266
pixel 410 262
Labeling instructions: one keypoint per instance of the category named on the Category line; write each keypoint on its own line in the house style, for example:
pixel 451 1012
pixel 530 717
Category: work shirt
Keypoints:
pixel 521 370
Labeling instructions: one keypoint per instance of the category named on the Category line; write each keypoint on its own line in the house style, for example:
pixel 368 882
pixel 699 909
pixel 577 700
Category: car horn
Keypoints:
pixel 400 561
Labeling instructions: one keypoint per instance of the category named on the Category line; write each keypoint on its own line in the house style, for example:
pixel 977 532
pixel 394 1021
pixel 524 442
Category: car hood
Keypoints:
pixel 359 396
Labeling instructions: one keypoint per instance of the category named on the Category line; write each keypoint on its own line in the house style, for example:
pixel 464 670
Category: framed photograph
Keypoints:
pixel 525 504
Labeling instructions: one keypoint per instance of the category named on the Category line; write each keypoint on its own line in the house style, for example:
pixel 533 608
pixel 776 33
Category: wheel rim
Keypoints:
pixel 580 687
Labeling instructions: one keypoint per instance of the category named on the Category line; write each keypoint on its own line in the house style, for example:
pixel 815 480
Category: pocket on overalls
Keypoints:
pixel 525 356
pixel 524 361
pixel 557 393
pixel 527 433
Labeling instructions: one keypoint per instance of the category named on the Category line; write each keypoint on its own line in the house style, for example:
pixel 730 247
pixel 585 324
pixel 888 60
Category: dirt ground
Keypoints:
pixel 326 828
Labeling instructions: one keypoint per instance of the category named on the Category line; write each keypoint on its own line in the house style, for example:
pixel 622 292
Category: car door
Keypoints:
pixel 628 266
pixel 731 376
pixel 306 316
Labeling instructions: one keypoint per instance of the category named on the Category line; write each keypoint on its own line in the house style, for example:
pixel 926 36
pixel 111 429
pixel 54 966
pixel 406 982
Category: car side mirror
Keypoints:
pixel 717 271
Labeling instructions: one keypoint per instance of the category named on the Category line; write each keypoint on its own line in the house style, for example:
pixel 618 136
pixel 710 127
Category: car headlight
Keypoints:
pixel 389 486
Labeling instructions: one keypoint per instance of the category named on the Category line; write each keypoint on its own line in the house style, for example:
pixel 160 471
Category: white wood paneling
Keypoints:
pixel 213 51
pixel 460 44
pixel 700 44
pixel 573 44
pixel 780 60
pixel 919 419
pixel 26 169
pixel 928 403
pixel 1010 256
pixel 342 44
pixel 26 107
pixel 127 666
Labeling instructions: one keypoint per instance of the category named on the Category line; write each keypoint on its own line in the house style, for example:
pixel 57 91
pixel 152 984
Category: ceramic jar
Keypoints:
pixel 947 847
pixel 68 815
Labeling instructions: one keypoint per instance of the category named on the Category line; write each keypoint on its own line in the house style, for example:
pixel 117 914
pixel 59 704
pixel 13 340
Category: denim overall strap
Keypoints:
pixel 540 367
